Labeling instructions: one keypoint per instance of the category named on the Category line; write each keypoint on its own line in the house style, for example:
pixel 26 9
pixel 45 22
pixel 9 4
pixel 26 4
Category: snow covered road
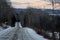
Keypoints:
pixel 16 33
pixel 8 33
pixel 29 34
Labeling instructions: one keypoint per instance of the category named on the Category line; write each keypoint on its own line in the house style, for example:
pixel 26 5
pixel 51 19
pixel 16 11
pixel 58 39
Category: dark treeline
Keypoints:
pixel 42 23
pixel 6 12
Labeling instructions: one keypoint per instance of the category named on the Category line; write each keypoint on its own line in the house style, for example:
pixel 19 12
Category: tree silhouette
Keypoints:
pixel 5 10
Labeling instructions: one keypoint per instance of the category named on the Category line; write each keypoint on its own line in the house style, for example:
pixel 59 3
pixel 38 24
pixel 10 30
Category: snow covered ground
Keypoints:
pixel 1 28
pixel 7 34
pixel 32 34
pixel 19 33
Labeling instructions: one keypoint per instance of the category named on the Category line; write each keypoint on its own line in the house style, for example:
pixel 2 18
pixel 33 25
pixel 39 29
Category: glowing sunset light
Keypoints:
pixel 32 3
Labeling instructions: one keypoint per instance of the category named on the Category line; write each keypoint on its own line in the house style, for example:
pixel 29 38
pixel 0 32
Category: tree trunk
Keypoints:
pixel 53 35
pixel 59 35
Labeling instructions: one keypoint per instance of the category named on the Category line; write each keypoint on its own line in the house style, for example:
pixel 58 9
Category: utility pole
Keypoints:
pixel 53 34
pixel 52 6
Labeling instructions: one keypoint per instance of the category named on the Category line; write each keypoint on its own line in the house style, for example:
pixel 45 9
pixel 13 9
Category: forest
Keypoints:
pixel 42 23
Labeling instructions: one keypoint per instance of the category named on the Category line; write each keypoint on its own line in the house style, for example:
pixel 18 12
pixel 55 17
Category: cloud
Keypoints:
pixel 56 1
pixel 32 3
pixel 19 3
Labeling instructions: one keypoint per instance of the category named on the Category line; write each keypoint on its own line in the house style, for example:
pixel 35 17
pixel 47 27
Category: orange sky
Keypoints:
pixel 33 3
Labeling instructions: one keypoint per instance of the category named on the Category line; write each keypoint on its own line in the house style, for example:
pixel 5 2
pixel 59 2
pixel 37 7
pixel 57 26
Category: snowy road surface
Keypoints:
pixel 16 33
pixel 7 34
